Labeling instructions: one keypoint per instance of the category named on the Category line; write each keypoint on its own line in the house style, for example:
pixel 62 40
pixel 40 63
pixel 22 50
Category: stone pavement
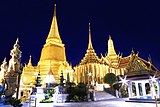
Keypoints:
pixel 102 100
pixel 106 103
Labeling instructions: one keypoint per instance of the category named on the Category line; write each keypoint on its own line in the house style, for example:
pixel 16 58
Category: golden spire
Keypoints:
pixel 30 61
pixel 111 50
pixel 54 35
pixel 90 56
pixel 90 41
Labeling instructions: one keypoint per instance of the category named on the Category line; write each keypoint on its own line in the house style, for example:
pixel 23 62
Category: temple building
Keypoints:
pixel 52 59
pixel 93 68
pixel 90 67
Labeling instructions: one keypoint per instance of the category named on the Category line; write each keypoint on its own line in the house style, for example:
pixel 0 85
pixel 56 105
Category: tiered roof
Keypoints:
pixel 90 56
pixel 138 68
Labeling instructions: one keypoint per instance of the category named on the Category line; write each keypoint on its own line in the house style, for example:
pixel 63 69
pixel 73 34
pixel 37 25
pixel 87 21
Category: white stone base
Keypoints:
pixel 59 98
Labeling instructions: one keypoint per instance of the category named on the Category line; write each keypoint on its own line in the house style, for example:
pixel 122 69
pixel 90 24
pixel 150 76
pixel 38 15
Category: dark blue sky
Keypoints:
pixel 132 24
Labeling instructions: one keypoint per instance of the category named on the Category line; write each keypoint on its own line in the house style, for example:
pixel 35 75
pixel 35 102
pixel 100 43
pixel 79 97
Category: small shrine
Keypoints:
pixel 142 79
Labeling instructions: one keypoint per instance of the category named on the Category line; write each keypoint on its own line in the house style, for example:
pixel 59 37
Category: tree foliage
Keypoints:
pixel 77 93
pixel 110 79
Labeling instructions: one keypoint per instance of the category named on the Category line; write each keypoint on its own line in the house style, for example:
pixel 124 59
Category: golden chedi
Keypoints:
pixel 52 59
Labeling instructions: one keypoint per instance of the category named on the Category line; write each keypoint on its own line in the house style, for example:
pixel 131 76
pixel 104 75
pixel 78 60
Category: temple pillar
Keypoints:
pixel 101 74
pixel 130 89
pixel 79 75
pixel 85 74
pixel 157 92
pixel 158 86
pixel 143 89
pixel 97 71
pixel 137 89
pixel 88 70
pixel 83 71
pixel 93 73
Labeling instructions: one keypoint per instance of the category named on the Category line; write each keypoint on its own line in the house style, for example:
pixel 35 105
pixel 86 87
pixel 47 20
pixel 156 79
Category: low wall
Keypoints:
pixel 59 98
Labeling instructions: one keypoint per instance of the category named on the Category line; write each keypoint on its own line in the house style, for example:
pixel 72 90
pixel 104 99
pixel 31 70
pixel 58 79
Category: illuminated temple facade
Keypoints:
pixel 90 70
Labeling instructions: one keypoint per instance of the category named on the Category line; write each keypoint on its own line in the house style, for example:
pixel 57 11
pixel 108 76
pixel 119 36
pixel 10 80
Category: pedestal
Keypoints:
pixel 40 94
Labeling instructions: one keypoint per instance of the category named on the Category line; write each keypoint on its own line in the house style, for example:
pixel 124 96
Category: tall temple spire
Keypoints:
pixel 111 50
pixel 90 41
pixel 54 36
pixel 90 56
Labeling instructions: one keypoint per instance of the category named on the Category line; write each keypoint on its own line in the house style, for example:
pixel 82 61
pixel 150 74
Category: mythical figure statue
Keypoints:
pixel 11 77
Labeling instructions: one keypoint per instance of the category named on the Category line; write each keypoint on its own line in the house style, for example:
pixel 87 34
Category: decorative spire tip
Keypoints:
pixel 109 36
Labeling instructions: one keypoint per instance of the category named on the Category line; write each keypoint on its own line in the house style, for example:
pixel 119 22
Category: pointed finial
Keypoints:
pixel 90 41
pixel 101 54
pixel 89 27
pixel 17 40
pixel 17 43
pixel 121 53
pixel 30 61
pixel 4 61
pixel 70 64
pixel 137 53
pixel 132 51
pixel 54 9
pixel 149 59
pixel 110 37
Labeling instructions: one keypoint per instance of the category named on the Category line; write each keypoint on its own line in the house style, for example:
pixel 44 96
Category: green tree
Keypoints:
pixel 110 79
pixel 77 93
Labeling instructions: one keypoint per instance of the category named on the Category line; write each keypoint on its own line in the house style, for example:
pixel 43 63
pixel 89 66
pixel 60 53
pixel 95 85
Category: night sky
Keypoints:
pixel 131 24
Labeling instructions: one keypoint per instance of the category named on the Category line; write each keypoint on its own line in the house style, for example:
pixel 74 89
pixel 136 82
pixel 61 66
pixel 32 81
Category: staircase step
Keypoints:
pixel 102 95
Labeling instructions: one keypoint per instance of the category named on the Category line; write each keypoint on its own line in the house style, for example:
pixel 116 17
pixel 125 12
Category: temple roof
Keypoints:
pixel 138 68
pixel 90 56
